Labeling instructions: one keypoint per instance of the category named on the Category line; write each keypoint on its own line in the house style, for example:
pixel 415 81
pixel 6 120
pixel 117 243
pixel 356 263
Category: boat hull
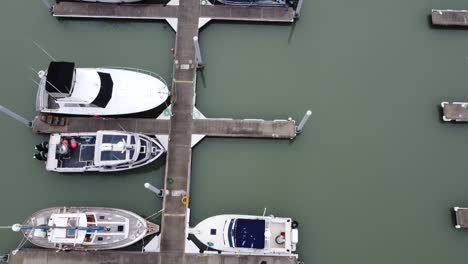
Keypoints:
pixel 139 228
pixel 77 163
pixel 132 92
pixel 247 234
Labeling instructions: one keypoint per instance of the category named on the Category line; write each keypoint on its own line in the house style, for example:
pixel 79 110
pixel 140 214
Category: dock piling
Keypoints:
pixel 198 57
pixel 303 121
pixel 15 116
pixel 297 12
pixel 157 191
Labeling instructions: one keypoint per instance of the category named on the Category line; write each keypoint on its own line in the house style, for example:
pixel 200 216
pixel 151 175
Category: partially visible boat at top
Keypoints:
pixel 85 228
pixel 248 234
pixel 112 1
pixel 277 3
pixel 65 89
pixel 103 151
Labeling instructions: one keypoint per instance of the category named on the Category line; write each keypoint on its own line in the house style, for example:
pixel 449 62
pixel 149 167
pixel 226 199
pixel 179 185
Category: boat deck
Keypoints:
pixel 162 12
pixel 28 256
pixel 79 158
pixel 449 17
pixel 254 128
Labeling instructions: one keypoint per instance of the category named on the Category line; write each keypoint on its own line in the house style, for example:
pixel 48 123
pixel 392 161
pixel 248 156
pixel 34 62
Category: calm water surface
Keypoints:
pixel 371 180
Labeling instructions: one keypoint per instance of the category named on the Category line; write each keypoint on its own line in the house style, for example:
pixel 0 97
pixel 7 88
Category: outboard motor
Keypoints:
pixel 41 156
pixel 44 146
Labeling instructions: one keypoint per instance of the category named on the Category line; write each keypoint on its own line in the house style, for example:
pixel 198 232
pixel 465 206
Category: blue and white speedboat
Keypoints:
pixel 247 234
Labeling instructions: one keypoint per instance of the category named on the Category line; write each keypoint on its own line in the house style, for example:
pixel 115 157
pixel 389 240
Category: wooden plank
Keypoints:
pixel 100 10
pixel 449 17
pixel 44 256
pixel 179 153
pixel 247 128
pixel 156 11
pixel 248 13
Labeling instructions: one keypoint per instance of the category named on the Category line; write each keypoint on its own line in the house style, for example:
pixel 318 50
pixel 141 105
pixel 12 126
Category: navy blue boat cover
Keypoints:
pixel 250 233
pixel 59 77
pixel 105 93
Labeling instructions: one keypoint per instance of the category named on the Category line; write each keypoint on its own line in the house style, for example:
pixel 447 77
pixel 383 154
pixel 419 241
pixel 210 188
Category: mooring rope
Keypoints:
pixel 155 214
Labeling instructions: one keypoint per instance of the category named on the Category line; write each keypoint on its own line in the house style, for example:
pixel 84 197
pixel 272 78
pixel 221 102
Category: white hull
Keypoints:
pixel 132 92
pixel 249 235
pixel 120 228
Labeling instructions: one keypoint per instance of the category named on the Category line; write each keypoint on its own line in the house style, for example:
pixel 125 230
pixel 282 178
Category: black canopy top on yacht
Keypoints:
pixel 60 77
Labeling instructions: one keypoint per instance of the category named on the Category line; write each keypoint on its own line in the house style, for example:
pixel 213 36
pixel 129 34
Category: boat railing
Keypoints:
pixel 141 71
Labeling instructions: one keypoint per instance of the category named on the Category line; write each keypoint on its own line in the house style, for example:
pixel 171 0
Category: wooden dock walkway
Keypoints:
pixel 158 12
pixel 249 128
pixel 36 256
pixel 449 17
pixel 456 111
pixel 179 153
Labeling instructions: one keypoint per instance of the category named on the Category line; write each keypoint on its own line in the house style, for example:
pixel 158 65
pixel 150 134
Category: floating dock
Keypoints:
pixel 461 217
pixel 449 17
pixel 44 256
pixel 456 111
pixel 162 12
pixel 250 128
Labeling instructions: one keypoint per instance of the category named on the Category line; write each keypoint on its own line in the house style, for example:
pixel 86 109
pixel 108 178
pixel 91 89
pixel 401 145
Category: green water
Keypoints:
pixel 371 180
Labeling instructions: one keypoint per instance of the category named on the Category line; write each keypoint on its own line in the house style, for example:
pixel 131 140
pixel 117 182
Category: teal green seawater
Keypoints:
pixel 371 180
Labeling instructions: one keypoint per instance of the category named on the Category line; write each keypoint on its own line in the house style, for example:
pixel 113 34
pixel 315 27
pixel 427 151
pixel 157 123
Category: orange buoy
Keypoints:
pixel 185 200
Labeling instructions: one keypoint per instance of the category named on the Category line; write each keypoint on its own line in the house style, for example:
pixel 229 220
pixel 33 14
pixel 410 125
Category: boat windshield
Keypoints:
pixel 105 92
pixel 249 233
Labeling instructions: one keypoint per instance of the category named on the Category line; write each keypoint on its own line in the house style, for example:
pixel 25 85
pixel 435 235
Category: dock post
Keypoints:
pixel 157 191
pixel 198 57
pixel 298 8
pixel 15 116
pixel 303 121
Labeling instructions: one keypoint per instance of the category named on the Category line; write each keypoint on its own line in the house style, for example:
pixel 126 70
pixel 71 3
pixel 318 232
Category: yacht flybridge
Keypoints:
pixel 64 89
pixel 247 234
pixel 102 151
pixel 85 228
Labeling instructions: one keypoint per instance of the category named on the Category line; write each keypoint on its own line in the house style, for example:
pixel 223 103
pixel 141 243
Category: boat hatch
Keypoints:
pixel 249 233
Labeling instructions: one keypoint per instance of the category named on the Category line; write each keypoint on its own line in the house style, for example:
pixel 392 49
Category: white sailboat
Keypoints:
pixel 64 89
pixel 103 151
pixel 85 228
pixel 248 234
